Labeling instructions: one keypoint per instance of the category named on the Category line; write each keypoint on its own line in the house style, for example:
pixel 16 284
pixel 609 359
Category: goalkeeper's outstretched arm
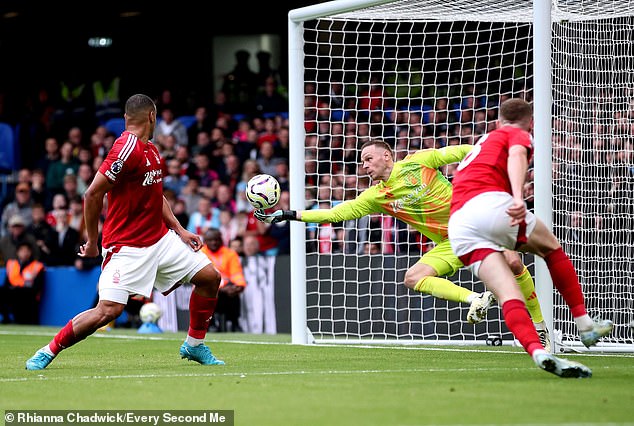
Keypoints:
pixel 352 209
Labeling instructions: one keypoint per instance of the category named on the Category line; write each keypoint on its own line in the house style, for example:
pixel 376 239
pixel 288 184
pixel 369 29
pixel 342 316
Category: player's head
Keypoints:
pixel 377 159
pixel 139 111
pixel 516 112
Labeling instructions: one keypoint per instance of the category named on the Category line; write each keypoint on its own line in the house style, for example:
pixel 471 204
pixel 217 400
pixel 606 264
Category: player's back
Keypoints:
pixel 485 168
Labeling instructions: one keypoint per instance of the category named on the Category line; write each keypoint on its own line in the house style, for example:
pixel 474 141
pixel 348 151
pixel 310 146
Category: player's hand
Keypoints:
pixel 517 211
pixel 276 216
pixel 194 241
pixel 88 250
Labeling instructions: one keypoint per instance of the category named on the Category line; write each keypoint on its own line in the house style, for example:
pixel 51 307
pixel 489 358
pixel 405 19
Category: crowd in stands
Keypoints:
pixel 211 150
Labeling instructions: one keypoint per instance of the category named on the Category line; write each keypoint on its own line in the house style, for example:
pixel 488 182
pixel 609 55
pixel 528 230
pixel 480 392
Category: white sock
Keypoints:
pixel 47 350
pixel 584 322
pixel 539 326
pixel 192 341
pixel 538 352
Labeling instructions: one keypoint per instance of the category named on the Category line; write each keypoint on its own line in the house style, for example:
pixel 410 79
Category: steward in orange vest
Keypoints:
pixel 22 287
pixel 227 262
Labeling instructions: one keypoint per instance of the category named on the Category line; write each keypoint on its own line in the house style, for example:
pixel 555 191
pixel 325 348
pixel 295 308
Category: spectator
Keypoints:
pixel 191 195
pixel 21 206
pixel 44 233
pixel 204 217
pixel 67 164
pixel 51 146
pixel 269 100
pixel 175 180
pixel 202 124
pixel 24 280
pixel 266 159
pixel 76 214
pixel 17 234
pixel 224 200
pixel 170 125
pixel 227 262
pixel 68 240
pixel 85 175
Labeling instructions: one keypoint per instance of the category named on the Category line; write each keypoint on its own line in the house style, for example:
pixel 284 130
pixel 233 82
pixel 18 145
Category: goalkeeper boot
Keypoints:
pixel 600 328
pixel 479 307
pixel 562 367
pixel 39 361
pixel 544 335
pixel 201 354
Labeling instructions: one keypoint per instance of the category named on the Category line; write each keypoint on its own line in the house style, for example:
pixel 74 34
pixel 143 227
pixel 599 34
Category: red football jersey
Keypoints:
pixel 135 203
pixel 484 169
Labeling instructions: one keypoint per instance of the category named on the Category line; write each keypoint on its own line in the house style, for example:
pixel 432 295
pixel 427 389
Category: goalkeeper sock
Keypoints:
pixel 527 287
pixel 443 289
pixel 201 309
pixel 565 280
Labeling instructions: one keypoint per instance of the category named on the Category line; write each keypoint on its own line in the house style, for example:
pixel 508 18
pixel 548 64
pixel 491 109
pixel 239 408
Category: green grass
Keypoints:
pixel 268 381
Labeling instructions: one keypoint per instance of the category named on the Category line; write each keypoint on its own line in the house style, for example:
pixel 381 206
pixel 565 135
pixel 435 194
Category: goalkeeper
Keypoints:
pixel 416 192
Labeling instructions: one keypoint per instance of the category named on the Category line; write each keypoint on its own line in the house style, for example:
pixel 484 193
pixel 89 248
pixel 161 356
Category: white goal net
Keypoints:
pixel 430 73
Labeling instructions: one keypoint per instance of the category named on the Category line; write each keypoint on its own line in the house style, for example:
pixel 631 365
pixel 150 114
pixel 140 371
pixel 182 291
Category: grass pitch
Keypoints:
pixel 268 381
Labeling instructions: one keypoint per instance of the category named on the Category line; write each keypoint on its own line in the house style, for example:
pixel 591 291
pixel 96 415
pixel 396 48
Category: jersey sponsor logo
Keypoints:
pixel 152 177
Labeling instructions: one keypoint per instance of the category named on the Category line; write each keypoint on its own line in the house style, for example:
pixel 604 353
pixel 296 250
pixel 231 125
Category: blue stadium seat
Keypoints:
pixel 8 148
pixel 187 120
pixel 115 125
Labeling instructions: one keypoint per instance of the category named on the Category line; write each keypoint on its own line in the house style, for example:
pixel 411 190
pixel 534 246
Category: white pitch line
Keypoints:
pixel 41 377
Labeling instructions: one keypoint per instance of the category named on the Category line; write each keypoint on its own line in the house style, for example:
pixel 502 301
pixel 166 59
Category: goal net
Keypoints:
pixel 429 73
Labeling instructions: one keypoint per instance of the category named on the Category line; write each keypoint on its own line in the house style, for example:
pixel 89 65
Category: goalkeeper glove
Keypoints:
pixel 276 216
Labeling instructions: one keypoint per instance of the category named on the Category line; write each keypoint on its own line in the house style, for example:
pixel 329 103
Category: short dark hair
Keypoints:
pixel 380 143
pixel 137 104
pixel 515 109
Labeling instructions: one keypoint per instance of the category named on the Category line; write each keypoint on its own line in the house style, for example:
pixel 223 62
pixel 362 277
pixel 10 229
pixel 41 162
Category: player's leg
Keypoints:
pixel 543 242
pixel 77 329
pixel 177 264
pixel 498 277
pixel 527 287
pixel 424 277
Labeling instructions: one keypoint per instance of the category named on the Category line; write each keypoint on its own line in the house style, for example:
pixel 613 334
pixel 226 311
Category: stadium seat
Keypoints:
pixel 115 125
pixel 187 120
pixel 8 148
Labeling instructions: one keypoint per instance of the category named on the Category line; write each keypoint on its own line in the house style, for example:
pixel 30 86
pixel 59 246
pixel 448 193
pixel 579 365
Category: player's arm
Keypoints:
pixel 93 204
pixel 351 209
pixel 517 165
pixel 192 240
pixel 435 158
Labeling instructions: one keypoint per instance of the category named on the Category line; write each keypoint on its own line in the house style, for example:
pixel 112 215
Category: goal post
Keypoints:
pixel 430 73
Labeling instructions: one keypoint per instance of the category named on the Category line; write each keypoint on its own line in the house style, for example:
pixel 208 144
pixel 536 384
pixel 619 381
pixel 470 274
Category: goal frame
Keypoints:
pixel 543 101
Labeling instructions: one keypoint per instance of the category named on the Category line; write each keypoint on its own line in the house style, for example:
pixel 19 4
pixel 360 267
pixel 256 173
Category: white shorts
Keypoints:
pixel 482 226
pixel 137 270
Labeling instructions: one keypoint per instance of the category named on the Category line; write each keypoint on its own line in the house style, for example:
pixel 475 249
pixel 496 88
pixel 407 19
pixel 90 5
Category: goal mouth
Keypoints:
pixel 429 73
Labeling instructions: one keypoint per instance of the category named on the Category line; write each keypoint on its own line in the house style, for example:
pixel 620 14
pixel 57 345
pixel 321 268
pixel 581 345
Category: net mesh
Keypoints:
pixel 423 74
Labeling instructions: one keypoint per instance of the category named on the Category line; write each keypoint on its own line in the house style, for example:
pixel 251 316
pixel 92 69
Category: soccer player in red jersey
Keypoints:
pixel 144 245
pixel 488 214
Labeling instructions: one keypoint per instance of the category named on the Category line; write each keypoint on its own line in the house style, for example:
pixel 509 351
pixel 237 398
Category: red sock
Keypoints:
pixel 565 280
pixel 64 338
pixel 201 309
pixel 519 322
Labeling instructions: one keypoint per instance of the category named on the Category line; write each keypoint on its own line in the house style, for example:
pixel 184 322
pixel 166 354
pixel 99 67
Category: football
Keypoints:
pixel 150 313
pixel 263 191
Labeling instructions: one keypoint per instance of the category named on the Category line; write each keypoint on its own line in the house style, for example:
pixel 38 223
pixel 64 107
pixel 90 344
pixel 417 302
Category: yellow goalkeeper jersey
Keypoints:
pixel 416 193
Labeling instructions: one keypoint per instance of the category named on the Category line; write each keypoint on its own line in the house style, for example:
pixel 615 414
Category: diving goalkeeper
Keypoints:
pixel 416 192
